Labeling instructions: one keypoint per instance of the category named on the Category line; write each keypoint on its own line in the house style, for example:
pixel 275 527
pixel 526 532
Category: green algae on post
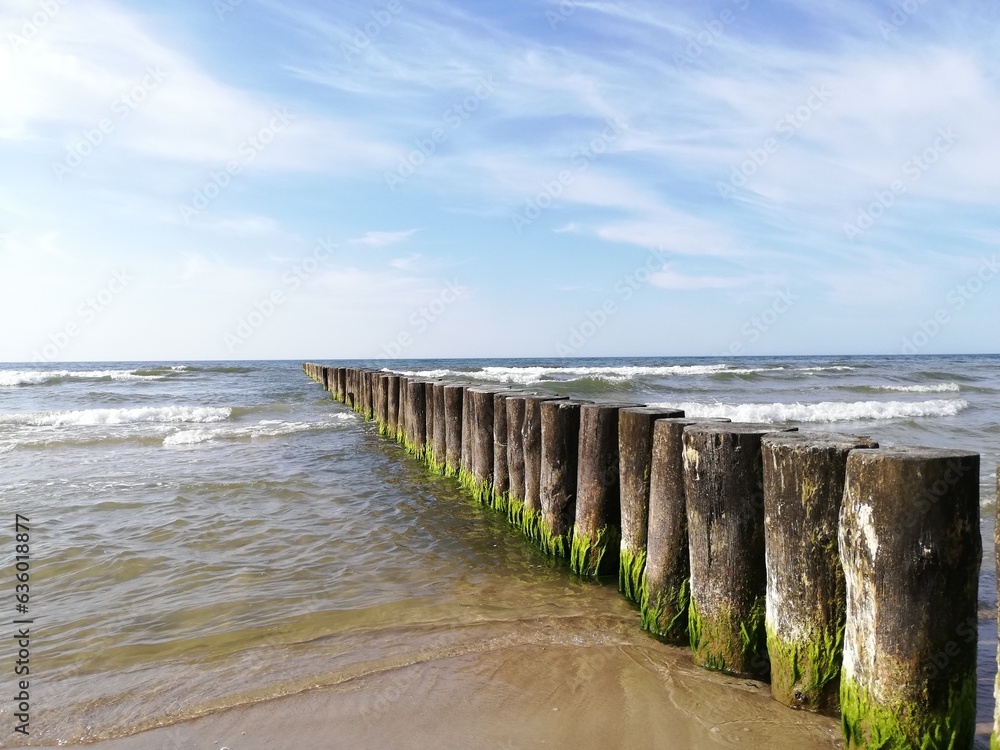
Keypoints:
pixel 635 455
pixel 632 574
pixel 596 527
pixel 723 486
pixel 453 405
pixel 911 548
pixel 557 481
pixel 804 476
pixel 664 603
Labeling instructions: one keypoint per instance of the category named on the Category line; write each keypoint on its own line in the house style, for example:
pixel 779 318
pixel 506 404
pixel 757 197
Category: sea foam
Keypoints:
pixel 143 414
pixel 824 411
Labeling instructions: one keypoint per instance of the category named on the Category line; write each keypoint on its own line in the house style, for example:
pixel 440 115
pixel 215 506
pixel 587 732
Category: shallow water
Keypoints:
pixel 207 535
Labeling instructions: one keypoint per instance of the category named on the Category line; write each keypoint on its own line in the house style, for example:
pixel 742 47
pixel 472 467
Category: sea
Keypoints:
pixel 205 535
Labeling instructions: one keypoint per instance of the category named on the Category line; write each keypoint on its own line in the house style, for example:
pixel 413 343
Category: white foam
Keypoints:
pixel 824 411
pixel 837 368
pixel 264 428
pixel 10 378
pixel 936 388
pixel 528 375
pixel 157 414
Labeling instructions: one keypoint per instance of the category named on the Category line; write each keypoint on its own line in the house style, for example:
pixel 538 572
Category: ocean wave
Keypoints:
pixel 834 368
pixel 824 411
pixel 933 388
pixel 614 374
pixel 144 414
pixel 264 428
pixel 12 378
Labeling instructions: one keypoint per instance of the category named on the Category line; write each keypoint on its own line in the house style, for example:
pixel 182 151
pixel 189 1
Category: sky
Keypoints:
pixel 258 179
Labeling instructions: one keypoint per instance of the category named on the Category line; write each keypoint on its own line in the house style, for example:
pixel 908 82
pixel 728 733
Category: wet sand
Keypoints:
pixel 558 696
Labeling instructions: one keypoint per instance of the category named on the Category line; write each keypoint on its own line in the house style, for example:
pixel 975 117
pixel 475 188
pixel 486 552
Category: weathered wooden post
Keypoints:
pixel 342 385
pixel 531 448
pixel 478 478
pixel 723 485
pixel 437 453
pixel 416 418
pixel 911 549
pixel 557 480
pixel 597 524
pixel 501 467
pixel 804 475
pixel 468 427
pixel 454 398
pixel 635 456
pixel 428 454
pixel 370 377
pixel 382 403
pixel 668 571
pixel 404 391
pixel 392 396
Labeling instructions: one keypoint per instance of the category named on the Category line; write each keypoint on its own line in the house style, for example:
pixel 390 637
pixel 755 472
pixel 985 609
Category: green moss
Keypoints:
pixel 552 544
pixel 531 523
pixel 994 742
pixel 805 673
pixel 430 458
pixel 728 643
pixel 586 554
pixel 632 574
pixel 873 726
pixel 667 617
pixel 450 470
pixel 482 491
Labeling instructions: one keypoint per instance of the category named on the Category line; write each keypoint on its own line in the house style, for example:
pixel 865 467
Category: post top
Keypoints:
pixel 738 428
pixel 821 438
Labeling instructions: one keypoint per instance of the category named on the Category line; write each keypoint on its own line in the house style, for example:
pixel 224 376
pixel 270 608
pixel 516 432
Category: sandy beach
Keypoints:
pixel 637 696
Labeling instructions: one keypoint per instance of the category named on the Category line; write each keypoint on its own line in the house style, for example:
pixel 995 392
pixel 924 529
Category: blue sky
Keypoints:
pixel 215 179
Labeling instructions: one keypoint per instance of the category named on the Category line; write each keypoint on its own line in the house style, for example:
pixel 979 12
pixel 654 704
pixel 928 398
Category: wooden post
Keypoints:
pixel 453 421
pixel 635 456
pixel 723 485
pixel 804 476
pixel 416 418
pixel 501 466
pixel 557 480
pixel 668 570
pixel 392 387
pixel 911 548
pixel 404 392
pixel 597 524
pixel 382 402
pixel 479 476
pixel 531 446
pixel 438 451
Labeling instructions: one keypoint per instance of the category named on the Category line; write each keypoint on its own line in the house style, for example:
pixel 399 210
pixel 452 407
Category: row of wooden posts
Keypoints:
pixel 843 573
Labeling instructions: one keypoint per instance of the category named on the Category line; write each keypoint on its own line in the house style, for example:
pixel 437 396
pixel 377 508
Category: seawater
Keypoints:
pixel 209 534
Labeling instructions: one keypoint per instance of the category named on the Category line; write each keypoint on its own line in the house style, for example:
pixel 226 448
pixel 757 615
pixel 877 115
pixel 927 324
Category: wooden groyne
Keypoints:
pixel 842 573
